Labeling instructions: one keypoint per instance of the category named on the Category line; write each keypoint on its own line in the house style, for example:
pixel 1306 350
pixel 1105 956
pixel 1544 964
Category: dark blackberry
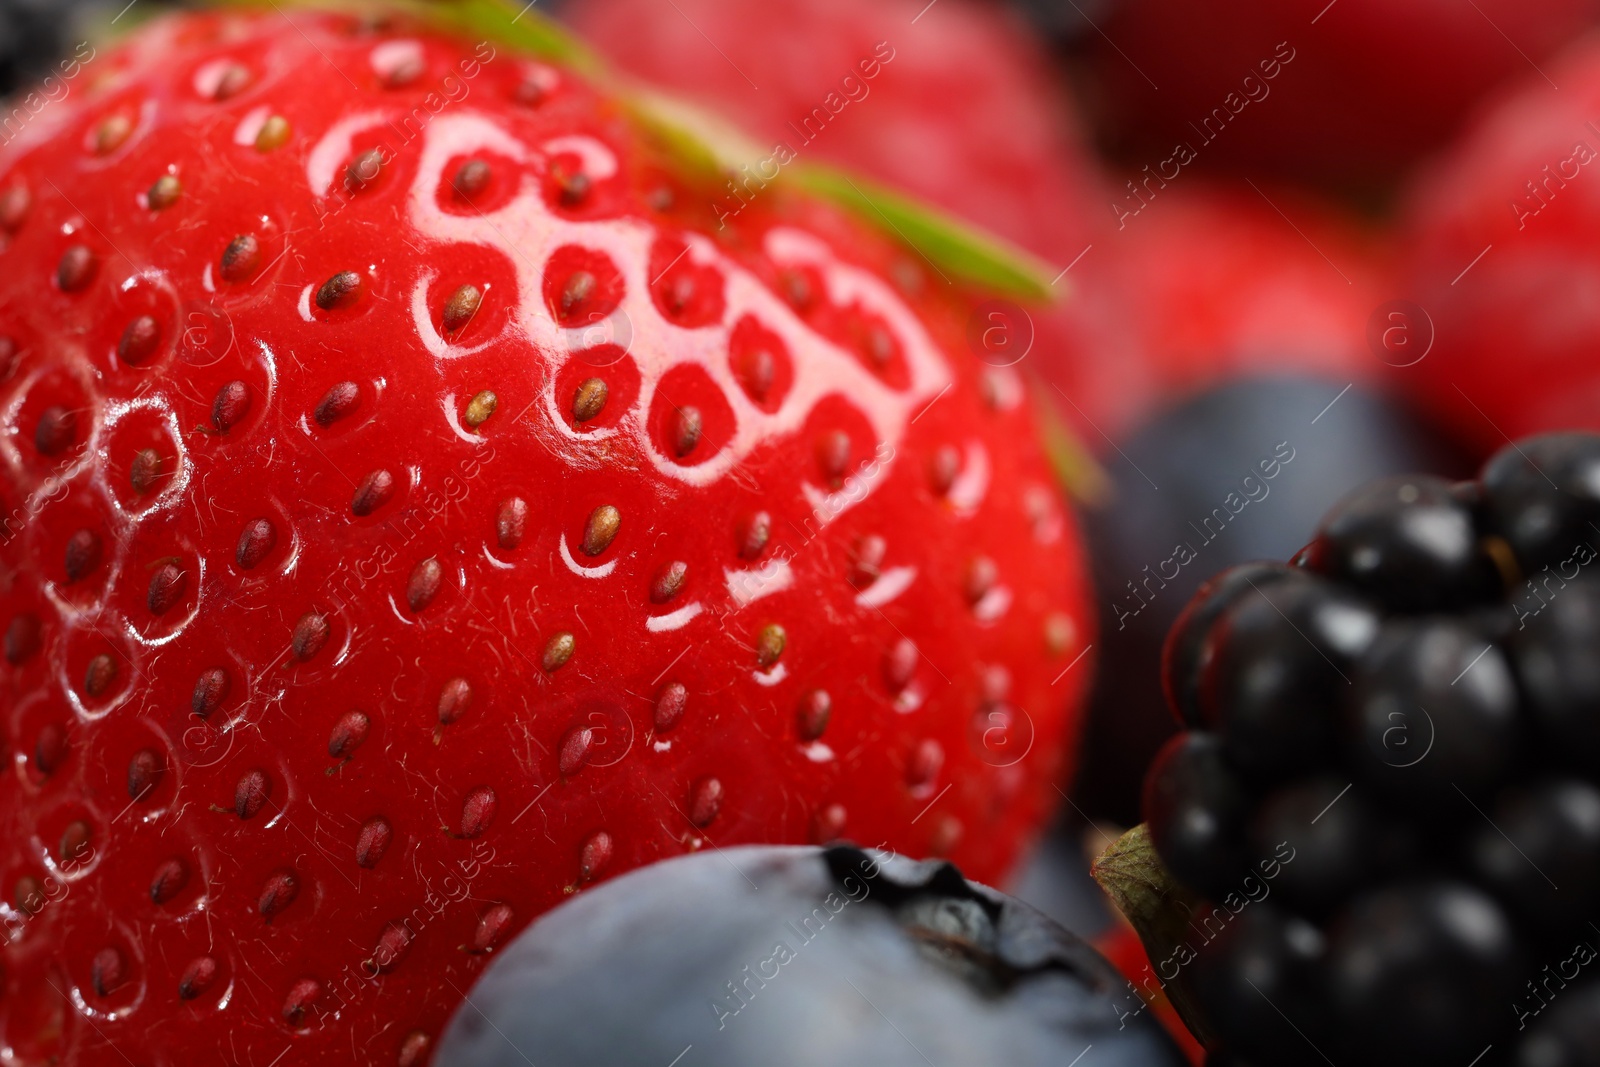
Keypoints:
pixel 1543 497
pixel 1338 836
pixel 1402 749
pixel 1554 653
pixel 1282 660
pixel 1538 850
pixel 1407 541
pixel 1188 649
pixel 1065 25
pixel 1433 710
pixel 1421 973
pixel 1261 973
pixel 1568 1034
pixel 1244 473
pixel 1196 806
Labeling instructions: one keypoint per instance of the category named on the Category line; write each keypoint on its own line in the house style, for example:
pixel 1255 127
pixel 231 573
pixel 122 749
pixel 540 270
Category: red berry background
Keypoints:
pixel 1343 92
pixel 430 486
pixel 1498 232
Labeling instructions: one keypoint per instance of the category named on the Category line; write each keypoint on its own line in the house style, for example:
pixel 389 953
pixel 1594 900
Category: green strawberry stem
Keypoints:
pixel 714 149
pixel 964 251
pixel 517 25
pixel 1161 913
pixel 956 249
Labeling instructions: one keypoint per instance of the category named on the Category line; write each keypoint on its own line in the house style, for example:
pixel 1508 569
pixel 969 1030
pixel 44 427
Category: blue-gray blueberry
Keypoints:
pixel 791 956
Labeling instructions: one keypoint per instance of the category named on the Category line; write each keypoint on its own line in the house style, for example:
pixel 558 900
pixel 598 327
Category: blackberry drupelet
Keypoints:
pixel 1389 791
pixel 1243 473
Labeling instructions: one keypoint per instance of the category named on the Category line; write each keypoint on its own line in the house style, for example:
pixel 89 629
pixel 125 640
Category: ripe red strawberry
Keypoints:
pixel 1504 232
pixel 1203 284
pixel 951 101
pixel 416 508
pixel 1343 90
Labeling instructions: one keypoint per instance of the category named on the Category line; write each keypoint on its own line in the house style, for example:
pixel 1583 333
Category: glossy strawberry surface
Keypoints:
pixel 1176 285
pixel 417 508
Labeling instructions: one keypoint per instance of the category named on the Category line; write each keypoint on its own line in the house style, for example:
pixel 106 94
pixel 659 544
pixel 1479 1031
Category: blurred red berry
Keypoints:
pixel 1325 90
pixel 1504 235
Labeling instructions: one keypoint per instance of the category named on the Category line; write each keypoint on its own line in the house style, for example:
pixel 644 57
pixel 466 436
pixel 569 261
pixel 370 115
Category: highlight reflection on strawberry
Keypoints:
pixel 418 507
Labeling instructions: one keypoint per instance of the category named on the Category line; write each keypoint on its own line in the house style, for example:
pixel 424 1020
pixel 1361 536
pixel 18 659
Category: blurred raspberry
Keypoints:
pixel 1340 91
pixel 1204 284
pixel 1505 232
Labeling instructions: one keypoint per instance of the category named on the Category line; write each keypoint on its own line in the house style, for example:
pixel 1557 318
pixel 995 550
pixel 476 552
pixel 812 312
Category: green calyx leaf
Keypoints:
pixel 957 251
pixel 1075 467
pixel 1162 913
pixel 954 248
pixel 518 26
pixel 696 139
